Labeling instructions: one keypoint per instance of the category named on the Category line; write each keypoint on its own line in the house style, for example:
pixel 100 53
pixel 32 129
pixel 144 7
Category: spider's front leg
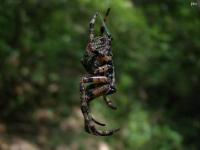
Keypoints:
pixel 91 26
pixel 87 96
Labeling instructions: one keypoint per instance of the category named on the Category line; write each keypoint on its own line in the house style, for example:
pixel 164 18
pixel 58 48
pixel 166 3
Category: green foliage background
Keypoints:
pixel 156 54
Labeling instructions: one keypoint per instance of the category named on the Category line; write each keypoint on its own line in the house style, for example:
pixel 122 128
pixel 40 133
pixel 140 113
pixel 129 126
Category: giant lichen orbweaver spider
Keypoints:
pixel 98 63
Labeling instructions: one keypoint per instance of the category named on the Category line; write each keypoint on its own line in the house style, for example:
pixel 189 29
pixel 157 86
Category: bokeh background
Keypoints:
pixel 156 51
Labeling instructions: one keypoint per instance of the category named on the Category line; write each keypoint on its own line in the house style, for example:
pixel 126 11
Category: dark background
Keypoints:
pixel 156 51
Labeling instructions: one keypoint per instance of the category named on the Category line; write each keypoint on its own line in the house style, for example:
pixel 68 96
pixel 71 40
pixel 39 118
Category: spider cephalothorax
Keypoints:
pixel 98 63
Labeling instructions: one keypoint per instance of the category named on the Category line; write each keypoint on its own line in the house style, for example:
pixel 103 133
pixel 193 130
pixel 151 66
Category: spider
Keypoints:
pixel 98 63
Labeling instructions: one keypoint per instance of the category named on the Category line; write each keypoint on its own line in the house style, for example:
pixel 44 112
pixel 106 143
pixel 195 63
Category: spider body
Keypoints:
pixel 98 63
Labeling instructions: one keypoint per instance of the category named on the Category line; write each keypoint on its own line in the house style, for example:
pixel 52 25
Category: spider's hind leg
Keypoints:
pixel 109 102
pixel 88 88
pixel 87 97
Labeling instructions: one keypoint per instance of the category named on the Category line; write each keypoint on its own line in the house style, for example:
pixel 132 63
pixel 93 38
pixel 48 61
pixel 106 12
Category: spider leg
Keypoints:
pixel 102 133
pixel 89 87
pixel 104 59
pixel 97 122
pixel 109 102
pixel 84 105
pixel 103 69
pixel 91 26
pixel 87 97
pixel 84 97
pixel 91 126
pixel 103 27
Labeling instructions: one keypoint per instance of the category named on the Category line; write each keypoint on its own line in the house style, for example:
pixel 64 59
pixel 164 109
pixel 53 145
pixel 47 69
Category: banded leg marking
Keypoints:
pixel 89 120
pixel 91 26
pixel 103 69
